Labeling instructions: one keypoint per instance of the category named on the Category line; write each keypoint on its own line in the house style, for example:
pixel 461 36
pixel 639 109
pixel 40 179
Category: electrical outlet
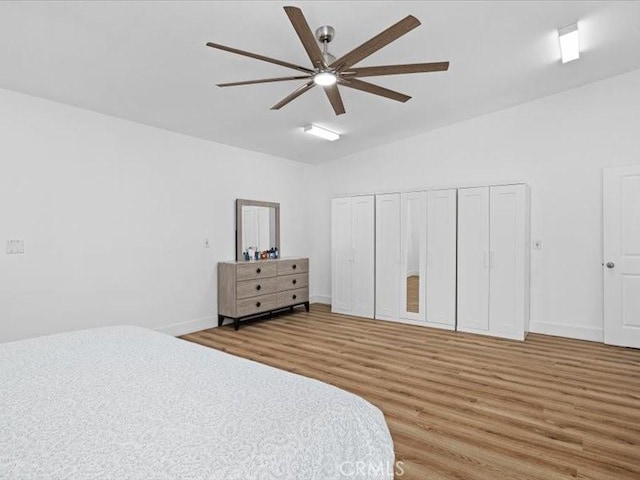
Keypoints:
pixel 206 243
pixel 537 244
pixel 15 247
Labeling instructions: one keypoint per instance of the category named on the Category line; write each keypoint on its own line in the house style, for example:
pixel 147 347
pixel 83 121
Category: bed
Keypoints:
pixel 130 403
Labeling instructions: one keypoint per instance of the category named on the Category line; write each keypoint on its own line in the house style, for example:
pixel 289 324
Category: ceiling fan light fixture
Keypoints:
pixel 321 132
pixel 325 79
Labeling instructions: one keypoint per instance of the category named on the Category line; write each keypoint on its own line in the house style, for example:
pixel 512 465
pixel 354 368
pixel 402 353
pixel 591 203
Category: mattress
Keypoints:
pixel 130 403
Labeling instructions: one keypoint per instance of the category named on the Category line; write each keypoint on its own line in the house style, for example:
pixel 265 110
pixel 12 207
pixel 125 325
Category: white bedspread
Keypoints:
pixel 130 403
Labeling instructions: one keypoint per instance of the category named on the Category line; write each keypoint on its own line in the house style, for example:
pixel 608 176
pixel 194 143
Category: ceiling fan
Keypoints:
pixel 329 72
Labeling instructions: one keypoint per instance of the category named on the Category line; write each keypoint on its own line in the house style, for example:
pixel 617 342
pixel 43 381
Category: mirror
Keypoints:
pixel 412 249
pixel 257 228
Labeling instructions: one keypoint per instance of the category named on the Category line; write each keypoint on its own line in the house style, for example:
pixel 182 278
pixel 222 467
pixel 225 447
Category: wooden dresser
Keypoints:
pixel 248 289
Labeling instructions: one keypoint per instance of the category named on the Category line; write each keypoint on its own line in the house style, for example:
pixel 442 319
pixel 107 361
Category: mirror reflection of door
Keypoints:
pixel 258 228
pixel 412 249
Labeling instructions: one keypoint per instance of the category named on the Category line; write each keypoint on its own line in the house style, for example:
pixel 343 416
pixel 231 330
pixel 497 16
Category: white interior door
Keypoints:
pixel 508 287
pixel 388 256
pixel 621 209
pixel 473 259
pixel 413 226
pixel 441 258
pixel 341 256
pixel 363 255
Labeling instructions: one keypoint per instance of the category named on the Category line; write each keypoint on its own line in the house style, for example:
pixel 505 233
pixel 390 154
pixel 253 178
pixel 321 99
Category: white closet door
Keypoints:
pixel 363 248
pixel 388 256
pixel 508 308
pixel 341 256
pixel 413 228
pixel 473 259
pixel 441 258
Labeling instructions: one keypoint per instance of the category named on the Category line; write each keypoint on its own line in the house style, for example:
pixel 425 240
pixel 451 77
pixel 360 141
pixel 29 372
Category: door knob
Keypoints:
pixel 610 264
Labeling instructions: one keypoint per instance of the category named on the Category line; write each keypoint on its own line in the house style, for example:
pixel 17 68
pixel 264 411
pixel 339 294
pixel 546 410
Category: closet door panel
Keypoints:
pixel 507 260
pixel 441 258
pixel 473 259
pixel 341 256
pixel 413 226
pixel 388 256
pixel 363 248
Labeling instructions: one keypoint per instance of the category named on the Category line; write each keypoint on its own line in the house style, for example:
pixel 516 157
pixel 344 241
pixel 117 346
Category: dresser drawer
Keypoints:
pixel 291 282
pixel 249 306
pixel 254 288
pixel 252 271
pixel 293 296
pixel 287 267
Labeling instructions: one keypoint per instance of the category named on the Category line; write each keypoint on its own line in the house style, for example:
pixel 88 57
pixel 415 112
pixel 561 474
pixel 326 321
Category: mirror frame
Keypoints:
pixel 254 203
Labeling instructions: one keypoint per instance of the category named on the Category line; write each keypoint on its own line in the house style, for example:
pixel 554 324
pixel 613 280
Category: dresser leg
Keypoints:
pixel 236 323
pixel 220 320
pixel 306 306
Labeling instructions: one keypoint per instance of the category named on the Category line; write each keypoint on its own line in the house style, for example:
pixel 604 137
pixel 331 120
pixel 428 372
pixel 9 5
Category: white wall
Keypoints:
pixel 558 145
pixel 114 216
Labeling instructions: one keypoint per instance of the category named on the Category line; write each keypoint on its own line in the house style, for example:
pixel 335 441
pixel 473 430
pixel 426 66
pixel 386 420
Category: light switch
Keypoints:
pixel 537 244
pixel 206 243
pixel 15 247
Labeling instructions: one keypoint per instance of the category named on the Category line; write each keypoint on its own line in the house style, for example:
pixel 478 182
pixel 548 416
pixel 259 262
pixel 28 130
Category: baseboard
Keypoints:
pixel 325 299
pixel 190 326
pixel 592 334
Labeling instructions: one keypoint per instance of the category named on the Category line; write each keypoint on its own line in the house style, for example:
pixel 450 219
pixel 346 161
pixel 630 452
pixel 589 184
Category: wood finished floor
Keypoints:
pixel 463 406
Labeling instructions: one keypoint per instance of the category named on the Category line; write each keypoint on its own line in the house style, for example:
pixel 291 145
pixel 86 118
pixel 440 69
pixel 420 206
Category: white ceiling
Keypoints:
pixel 147 62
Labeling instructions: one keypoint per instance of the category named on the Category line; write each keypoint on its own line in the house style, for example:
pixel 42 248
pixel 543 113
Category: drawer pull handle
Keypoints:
pixel 294 297
pixel 294 266
pixel 294 281
pixel 258 287
pixel 258 270
pixel 257 304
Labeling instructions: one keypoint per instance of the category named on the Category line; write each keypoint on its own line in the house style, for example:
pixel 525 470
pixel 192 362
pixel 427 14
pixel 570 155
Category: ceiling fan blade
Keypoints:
pixel 306 36
pixel 376 43
pixel 263 80
pixel 299 91
pixel 397 69
pixel 333 94
pixel 375 89
pixel 259 57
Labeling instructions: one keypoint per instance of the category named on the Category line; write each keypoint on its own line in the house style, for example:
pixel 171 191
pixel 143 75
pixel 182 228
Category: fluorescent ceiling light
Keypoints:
pixel 321 132
pixel 569 44
pixel 324 79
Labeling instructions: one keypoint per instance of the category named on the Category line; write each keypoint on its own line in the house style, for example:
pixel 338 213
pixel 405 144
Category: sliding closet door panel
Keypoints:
pixel 507 260
pixel 413 253
pixel 441 257
pixel 341 256
pixel 363 247
pixel 473 259
pixel 388 256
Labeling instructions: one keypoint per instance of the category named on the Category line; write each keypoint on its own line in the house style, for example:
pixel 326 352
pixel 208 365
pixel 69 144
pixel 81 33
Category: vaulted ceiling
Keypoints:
pixel 147 62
